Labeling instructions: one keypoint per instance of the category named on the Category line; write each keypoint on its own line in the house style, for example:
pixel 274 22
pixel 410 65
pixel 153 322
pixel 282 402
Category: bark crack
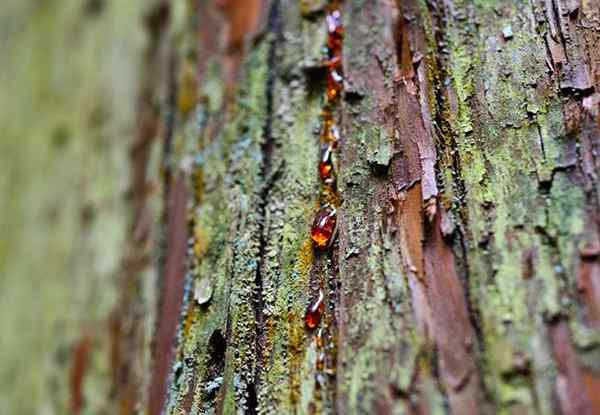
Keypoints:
pixel 269 178
pixel 541 141
pixel 442 128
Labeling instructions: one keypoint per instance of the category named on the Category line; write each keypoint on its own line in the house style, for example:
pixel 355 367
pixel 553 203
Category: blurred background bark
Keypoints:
pixel 160 180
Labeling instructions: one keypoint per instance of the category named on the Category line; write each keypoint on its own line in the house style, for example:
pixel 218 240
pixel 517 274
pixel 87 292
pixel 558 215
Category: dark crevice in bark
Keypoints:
pixel 269 178
pixel 331 270
pixel 217 347
pixel 252 402
pixel 214 367
pixel 541 140
pixel 315 81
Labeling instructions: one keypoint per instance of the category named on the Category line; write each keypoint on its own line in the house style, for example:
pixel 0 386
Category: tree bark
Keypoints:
pixel 464 276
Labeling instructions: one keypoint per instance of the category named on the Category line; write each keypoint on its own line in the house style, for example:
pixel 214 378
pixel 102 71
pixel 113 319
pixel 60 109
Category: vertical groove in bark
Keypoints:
pixel 268 177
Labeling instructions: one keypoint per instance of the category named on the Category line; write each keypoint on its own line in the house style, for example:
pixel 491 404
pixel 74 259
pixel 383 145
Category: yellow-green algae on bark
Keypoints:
pixel 258 195
pixel 525 202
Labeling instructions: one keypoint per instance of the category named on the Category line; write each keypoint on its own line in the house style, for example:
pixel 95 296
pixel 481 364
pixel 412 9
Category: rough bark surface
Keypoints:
pixel 465 276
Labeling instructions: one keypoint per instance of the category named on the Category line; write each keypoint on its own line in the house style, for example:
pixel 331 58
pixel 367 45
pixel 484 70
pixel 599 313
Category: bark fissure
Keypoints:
pixel 269 178
pixel 455 229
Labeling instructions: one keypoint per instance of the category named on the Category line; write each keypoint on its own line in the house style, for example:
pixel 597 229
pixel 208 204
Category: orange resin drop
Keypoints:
pixel 326 165
pixel 334 84
pixel 331 133
pixel 323 227
pixel 319 339
pixel 315 311
pixel 325 170
pixel 321 361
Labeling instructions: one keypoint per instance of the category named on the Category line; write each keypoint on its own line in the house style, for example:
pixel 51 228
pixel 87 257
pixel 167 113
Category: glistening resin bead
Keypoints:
pixel 315 311
pixel 323 228
pixel 326 164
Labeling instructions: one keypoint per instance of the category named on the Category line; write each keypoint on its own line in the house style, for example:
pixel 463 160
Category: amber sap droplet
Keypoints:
pixel 321 361
pixel 334 84
pixel 315 311
pixel 330 134
pixel 326 165
pixel 323 227
pixel 319 339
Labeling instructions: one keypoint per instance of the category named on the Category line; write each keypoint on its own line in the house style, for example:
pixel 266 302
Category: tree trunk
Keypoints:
pixel 464 272
pixel 464 275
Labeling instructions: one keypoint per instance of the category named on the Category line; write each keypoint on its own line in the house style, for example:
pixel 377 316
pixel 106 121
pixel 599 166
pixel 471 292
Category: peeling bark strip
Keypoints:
pixel 438 297
pixel 449 316
pixel 445 294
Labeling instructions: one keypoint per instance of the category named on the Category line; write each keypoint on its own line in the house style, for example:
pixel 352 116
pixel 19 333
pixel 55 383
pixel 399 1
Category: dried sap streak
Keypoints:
pixel 323 229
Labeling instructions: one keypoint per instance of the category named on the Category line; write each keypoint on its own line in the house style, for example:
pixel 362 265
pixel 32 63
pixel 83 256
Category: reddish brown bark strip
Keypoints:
pixel 570 388
pixel 172 296
pixel 242 18
pixel 81 352
pixel 588 285
pixel 451 328
pixel 411 239
pixel 446 310
pixel 126 329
